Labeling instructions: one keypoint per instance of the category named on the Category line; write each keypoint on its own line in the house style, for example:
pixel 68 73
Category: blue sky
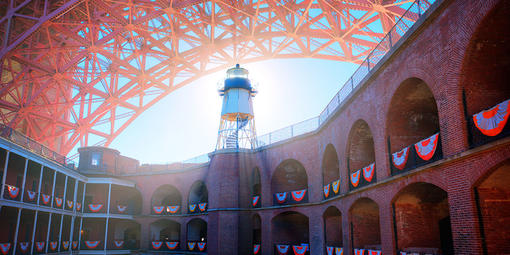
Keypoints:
pixel 185 123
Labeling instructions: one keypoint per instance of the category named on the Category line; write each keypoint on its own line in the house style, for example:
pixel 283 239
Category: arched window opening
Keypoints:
pixel 330 172
pixel 125 200
pixel 255 187
pixel 198 197
pixel 256 233
pixel 485 73
pixel 413 127
pixel 493 201
pixel 289 183
pixel 423 220
pixel 290 232
pixel 365 233
pixel 123 235
pixel 197 235
pixel 361 155
pixel 165 234
pixel 166 200
pixel 333 234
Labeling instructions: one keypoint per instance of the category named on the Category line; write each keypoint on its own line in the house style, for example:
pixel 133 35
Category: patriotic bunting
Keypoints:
pixel 78 206
pixel 282 249
pixel 298 195
pixel 157 245
pixel 24 246
pixel 172 245
pixel 201 246
pixel 31 195
pixel 202 207
pixel 95 207
pixel 355 178
pixel 368 172
pixel 5 247
pixel 192 207
pixel 121 208
pixel 58 201
pixel 427 147
pixel 92 244
pixel 299 249
pixel 339 251
pixel 491 122
pixel 45 199
pixel 172 208
pixel 191 245
pixel 158 209
pixel 70 204
pixel 65 245
pixel 336 186
pixel 281 197
pixel 330 250
pixel 39 246
pixel 13 191
pixel 256 249
pixel 359 252
pixel 53 245
pixel 118 243
pixel 325 189
pixel 374 252
pixel 75 245
pixel 399 158
pixel 255 201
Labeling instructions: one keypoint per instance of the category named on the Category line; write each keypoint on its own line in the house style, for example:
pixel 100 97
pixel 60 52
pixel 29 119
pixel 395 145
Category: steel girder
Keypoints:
pixel 78 72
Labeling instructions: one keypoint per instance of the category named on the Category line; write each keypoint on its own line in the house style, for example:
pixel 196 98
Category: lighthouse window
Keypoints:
pixel 95 158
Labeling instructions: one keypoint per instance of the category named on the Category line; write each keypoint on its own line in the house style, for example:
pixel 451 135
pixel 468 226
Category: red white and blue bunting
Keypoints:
pixel 158 209
pixel 78 206
pixel 331 250
pixel 157 244
pixel 339 251
pixel 39 246
pixel 53 245
pixel 368 172
pixel 13 191
pixel 121 208
pixel 427 147
pixel 58 201
pixel 281 197
pixel 92 244
pixel 355 177
pixel 24 246
pixel 201 246
pixel 255 200
pixel 491 122
pixel 70 204
pixel 202 207
pixel 359 252
pixel 95 207
pixel 282 249
pixel 191 245
pixel 192 207
pixel 75 245
pixel 5 247
pixel 65 245
pixel 336 186
pixel 172 245
pixel 172 209
pixel 118 243
pixel 325 189
pixel 256 249
pixel 399 158
pixel 299 249
pixel 45 199
pixel 298 195
pixel 31 195
pixel 374 252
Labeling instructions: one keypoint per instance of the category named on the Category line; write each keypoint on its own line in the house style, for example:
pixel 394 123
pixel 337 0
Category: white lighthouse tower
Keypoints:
pixel 237 125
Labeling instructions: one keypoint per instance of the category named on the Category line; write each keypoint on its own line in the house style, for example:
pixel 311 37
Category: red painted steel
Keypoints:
pixel 78 72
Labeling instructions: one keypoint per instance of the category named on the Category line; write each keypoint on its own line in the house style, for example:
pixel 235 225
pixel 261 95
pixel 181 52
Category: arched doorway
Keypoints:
pixel 198 197
pixel 255 187
pixel 290 230
pixel 197 235
pixel 365 228
pixel 422 220
pixel 361 155
pixel 330 172
pixel 289 183
pixel 333 234
pixel 166 200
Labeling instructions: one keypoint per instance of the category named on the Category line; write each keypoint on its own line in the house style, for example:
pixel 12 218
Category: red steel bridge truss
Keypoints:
pixel 78 72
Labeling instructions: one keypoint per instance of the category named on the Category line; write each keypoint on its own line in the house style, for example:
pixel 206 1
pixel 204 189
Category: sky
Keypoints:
pixel 185 123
